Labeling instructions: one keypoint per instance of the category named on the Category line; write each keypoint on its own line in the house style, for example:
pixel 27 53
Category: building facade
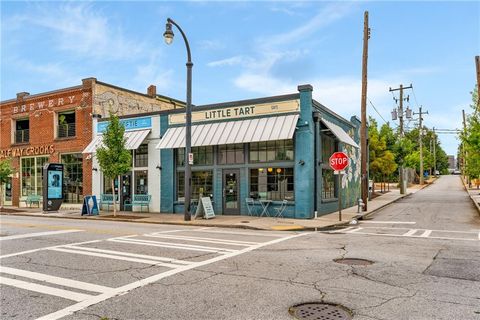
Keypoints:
pixel 253 156
pixel 58 126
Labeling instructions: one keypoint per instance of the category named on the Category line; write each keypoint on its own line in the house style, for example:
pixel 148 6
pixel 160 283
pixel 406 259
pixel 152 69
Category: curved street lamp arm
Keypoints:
pixel 184 38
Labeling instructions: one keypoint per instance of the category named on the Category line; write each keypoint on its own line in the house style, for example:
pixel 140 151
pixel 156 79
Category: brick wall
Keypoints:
pixel 42 111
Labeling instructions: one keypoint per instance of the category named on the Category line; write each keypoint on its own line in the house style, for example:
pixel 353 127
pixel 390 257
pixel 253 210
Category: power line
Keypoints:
pixel 377 111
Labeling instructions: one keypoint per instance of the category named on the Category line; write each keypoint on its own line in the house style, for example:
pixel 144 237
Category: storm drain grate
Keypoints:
pixel 319 311
pixel 354 261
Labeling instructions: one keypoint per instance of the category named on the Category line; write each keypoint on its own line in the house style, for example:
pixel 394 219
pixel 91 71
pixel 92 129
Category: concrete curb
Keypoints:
pixel 475 203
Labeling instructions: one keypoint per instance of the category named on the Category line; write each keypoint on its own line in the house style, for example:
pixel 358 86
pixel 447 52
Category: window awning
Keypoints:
pixel 243 131
pixel 340 133
pixel 133 140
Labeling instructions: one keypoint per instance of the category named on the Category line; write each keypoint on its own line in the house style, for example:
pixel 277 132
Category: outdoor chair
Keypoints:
pixel 251 206
pixel 280 210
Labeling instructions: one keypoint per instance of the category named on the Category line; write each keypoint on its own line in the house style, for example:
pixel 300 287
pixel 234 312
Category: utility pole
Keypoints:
pixel 434 152
pixel 420 141
pixel 363 128
pixel 400 116
pixel 463 146
pixel 477 63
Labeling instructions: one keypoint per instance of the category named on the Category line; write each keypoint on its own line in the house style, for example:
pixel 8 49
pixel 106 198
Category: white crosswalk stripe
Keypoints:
pixel 172 245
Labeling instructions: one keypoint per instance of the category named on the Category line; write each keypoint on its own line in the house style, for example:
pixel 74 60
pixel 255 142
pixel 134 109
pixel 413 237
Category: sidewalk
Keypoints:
pixel 474 194
pixel 246 222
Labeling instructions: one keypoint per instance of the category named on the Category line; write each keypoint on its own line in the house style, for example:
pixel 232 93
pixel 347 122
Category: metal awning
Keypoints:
pixel 243 131
pixel 340 133
pixel 133 138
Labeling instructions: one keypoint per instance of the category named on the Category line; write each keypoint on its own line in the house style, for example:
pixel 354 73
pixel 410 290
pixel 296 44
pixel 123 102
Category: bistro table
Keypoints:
pixel 264 203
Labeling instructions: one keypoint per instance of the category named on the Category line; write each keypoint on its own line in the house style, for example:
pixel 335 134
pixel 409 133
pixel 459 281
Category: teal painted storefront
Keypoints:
pixel 307 162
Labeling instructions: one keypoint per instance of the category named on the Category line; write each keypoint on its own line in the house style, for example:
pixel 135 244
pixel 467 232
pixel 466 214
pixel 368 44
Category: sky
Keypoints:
pixel 247 49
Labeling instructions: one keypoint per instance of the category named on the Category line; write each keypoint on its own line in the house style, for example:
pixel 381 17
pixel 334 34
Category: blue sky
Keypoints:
pixel 249 49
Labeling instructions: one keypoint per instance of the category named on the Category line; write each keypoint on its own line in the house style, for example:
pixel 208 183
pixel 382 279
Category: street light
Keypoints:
pixel 168 36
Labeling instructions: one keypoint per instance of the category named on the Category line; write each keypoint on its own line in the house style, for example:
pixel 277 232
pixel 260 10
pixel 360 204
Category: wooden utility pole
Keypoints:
pixel 477 63
pixel 420 141
pixel 463 146
pixel 363 128
pixel 400 117
pixel 434 152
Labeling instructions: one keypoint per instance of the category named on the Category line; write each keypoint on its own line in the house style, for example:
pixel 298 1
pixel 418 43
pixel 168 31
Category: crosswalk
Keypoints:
pixel 409 233
pixel 162 249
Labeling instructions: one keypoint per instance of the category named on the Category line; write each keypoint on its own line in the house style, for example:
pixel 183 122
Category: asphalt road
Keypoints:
pixel 425 251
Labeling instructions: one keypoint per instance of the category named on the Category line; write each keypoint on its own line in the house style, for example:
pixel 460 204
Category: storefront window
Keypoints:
pixel 272 183
pixel 230 153
pixel 280 150
pixel 141 182
pixel 201 156
pixel 107 186
pixel 73 177
pixel 141 156
pixel 329 146
pixel 202 182
pixel 32 173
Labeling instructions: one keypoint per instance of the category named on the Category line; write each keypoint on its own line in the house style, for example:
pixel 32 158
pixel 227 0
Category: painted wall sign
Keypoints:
pixel 130 124
pixel 238 112
pixel 27 151
pixel 50 103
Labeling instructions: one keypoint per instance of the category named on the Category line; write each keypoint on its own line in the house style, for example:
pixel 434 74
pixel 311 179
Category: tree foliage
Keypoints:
pixel 113 158
pixel 382 161
pixel 470 139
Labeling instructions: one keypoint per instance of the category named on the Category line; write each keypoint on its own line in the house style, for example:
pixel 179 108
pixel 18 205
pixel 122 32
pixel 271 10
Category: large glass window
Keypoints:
pixel 141 182
pixel 329 184
pixel 201 156
pixel 272 183
pixel 107 185
pixel 202 182
pixel 22 131
pixel 32 173
pixel 73 177
pixel 141 156
pixel 66 124
pixel 230 153
pixel 280 150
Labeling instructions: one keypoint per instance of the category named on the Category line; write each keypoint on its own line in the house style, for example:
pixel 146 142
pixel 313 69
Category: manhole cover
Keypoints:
pixel 320 311
pixel 354 261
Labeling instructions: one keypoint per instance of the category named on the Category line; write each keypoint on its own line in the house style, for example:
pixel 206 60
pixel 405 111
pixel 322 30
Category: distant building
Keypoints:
pixel 451 162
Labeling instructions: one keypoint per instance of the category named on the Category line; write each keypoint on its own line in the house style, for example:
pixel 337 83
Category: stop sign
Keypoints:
pixel 338 161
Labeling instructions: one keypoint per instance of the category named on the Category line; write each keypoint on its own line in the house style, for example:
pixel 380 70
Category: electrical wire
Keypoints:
pixel 377 111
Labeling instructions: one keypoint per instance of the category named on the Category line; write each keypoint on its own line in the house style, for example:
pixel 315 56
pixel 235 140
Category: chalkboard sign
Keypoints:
pixel 205 209
pixel 90 206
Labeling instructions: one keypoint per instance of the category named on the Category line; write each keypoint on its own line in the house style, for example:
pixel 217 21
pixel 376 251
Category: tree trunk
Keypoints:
pixel 1 196
pixel 114 202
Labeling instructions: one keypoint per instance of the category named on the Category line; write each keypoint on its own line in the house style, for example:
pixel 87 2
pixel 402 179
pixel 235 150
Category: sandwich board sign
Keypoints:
pixel 205 209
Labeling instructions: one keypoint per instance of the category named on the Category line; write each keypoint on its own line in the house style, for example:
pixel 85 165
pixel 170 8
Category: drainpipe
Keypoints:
pixel 317 161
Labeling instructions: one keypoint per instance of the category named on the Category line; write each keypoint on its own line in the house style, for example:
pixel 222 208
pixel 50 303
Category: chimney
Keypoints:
pixel 152 91
pixel 21 95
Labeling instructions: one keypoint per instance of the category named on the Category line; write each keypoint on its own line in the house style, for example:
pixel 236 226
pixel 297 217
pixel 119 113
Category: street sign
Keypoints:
pixel 190 158
pixel 338 161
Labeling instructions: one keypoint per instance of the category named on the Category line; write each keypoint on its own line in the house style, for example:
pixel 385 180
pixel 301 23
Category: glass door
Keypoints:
pixel 126 192
pixel 7 192
pixel 231 194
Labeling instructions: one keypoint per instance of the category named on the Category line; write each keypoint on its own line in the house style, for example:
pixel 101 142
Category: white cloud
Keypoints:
pixel 210 45
pixel 81 30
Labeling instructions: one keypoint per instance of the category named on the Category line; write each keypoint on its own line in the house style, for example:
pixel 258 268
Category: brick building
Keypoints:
pixel 56 126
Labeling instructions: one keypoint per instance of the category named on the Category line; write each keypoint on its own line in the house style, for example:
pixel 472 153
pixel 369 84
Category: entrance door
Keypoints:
pixel 7 190
pixel 231 191
pixel 126 192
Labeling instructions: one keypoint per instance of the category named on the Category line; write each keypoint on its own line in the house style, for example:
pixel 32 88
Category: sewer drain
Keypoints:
pixel 319 311
pixel 354 261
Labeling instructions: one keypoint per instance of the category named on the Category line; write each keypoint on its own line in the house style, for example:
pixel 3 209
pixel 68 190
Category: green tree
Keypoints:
pixel 113 158
pixel 382 161
pixel 5 171
pixel 470 141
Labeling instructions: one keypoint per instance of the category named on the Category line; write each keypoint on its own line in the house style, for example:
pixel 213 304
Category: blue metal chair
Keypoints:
pixel 280 210
pixel 251 206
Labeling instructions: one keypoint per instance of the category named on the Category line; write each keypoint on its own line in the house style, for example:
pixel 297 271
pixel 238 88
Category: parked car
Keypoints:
pixel 456 171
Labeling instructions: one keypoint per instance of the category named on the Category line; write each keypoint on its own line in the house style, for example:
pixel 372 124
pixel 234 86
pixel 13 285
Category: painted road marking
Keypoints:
pixel 70 295
pixel 115 257
pixel 38 234
pixel 42 249
pixel 354 230
pixel 55 280
pixel 425 234
pixel 387 222
pixel 172 245
pixel 246 233
pixel 134 255
pixel 134 285
pixel 207 240
pixel 409 233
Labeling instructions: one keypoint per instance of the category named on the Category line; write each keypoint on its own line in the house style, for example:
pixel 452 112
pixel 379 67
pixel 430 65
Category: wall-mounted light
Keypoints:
pixel 94 169
pixel 96 116
pixel 301 162
pixel 158 167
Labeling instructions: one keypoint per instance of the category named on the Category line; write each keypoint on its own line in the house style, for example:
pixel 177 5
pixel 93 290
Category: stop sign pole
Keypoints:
pixel 338 162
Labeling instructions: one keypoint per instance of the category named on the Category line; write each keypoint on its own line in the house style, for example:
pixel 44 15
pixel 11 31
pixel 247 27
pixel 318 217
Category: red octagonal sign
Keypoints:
pixel 338 161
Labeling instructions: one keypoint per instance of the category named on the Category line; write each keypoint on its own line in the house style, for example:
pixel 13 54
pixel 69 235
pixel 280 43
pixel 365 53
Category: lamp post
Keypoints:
pixel 168 35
